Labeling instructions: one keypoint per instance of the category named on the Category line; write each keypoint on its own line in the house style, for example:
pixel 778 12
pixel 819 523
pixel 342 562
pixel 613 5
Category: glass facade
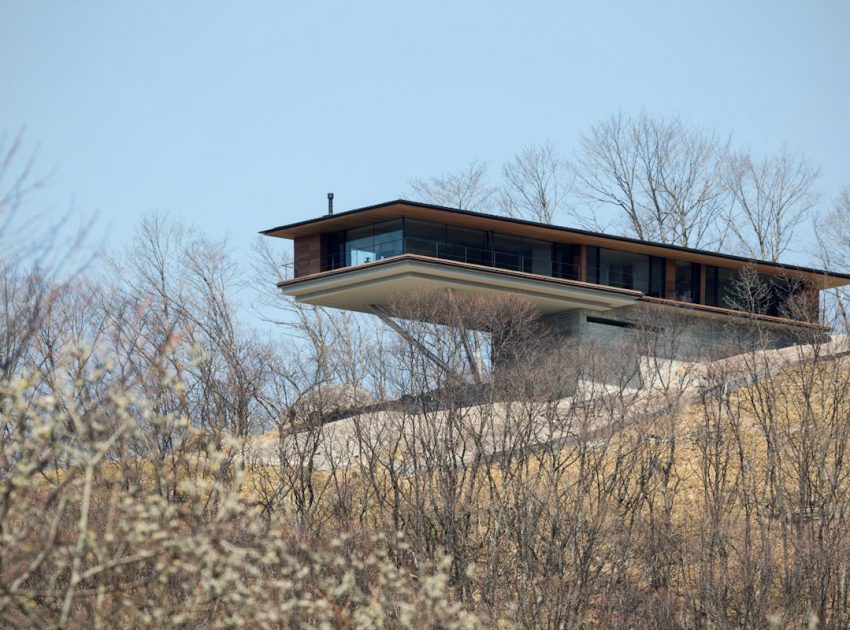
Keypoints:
pixel 748 291
pixel 722 287
pixel 372 242
pixel 626 270
pixel 687 282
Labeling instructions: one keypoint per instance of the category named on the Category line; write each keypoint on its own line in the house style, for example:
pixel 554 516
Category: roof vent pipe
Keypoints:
pixel 330 203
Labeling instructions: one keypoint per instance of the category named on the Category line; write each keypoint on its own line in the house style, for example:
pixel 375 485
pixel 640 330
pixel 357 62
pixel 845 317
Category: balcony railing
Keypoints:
pixel 487 257
pixel 613 275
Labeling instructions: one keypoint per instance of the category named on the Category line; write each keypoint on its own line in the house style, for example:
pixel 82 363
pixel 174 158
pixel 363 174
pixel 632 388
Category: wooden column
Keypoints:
pixel 581 264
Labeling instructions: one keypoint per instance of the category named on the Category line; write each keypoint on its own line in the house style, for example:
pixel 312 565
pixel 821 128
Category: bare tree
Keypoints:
pixel 38 257
pixel 466 188
pixel 536 184
pixel 833 232
pixel 833 251
pixel 772 197
pixel 663 179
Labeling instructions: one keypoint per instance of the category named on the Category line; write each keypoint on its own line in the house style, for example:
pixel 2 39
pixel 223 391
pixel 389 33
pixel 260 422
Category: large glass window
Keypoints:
pixel 778 292
pixel 564 261
pixel 623 270
pixel 630 271
pixel 360 245
pixel 746 290
pixel 334 251
pixel 727 288
pixel 712 285
pixel 388 239
pixel 726 282
pixel 537 257
pixel 687 281
pixel 592 274
pixel 507 252
pixel 467 245
pixel 656 276
pixel 373 242
pixel 424 238
pixel 720 287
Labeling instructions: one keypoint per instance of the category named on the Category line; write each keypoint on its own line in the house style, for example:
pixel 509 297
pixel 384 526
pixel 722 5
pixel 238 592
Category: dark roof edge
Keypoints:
pixel 614 237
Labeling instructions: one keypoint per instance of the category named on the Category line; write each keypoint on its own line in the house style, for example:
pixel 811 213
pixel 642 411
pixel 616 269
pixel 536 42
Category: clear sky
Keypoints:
pixel 240 116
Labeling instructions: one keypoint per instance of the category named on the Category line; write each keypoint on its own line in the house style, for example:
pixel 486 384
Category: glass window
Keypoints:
pixel 466 245
pixel 507 252
pixel 711 285
pixel 564 259
pixel 424 238
pixel 687 281
pixel 777 292
pixel 388 239
pixel 335 248
pixel 359 246
pixel 656 276
pixel 593 274
pixel 624 270
pixel 723 288
pixel 537 256
pixel 727 279
pixel 726 287
pixel 373 242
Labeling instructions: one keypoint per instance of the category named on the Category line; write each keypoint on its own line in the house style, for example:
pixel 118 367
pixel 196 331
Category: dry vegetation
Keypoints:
pixel 164 466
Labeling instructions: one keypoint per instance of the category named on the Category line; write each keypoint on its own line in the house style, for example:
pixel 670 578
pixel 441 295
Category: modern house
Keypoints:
pixel 585 284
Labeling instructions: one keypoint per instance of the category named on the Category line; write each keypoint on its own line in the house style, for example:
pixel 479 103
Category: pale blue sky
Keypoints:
pixel 241 116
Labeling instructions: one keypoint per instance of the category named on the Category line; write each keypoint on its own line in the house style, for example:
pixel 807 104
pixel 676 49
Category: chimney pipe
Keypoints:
pixel 330 203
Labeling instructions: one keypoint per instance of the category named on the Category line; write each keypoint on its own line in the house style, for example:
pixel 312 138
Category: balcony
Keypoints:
pixel 541 264
pixel 360 279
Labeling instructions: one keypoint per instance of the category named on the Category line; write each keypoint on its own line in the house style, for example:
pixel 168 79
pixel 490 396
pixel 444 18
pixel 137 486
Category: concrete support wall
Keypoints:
pixel 652 330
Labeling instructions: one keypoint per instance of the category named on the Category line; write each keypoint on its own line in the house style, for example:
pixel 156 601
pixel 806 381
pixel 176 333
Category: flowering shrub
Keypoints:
pixel 99 530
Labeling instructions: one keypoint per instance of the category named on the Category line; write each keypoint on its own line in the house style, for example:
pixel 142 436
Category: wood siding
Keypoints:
pixel 309 255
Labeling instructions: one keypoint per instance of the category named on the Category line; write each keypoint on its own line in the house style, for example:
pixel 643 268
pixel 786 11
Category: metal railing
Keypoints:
pixel 525 262
pixel 488 257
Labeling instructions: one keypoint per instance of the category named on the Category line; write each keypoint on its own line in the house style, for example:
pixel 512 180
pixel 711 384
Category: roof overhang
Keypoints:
pixel 530 229
pixel 379 283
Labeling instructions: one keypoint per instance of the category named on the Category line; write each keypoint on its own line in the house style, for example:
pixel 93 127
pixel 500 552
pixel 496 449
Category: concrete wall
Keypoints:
pixel 645 345
pixel 654 330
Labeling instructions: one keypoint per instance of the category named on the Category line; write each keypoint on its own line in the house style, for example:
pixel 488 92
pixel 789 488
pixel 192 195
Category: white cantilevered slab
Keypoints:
pixel 378 283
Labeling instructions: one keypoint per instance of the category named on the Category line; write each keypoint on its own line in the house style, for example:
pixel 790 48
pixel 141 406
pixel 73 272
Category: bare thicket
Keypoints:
pixel 38 253
pixel 651 177
pixel 457 463
pixel 536 184
pixel 833 251
pixel 469 467
pixel 773 197
pixel 662 179
pixel 466 188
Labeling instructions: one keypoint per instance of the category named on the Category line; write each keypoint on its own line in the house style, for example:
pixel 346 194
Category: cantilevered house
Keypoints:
pixel 585 284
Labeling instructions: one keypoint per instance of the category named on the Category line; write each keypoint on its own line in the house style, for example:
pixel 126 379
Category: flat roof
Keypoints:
pixel 531 229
